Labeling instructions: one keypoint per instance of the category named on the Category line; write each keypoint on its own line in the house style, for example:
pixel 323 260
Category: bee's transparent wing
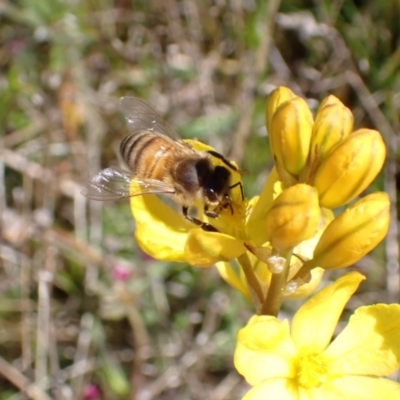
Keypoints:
pixel 141 116
pixel 115 184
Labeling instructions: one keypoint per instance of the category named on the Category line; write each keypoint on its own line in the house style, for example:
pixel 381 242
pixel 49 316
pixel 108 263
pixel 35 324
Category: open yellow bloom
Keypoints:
pixel 299 362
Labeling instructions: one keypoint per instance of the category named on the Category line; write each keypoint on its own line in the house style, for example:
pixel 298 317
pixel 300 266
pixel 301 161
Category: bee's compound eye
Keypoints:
pixel 211 195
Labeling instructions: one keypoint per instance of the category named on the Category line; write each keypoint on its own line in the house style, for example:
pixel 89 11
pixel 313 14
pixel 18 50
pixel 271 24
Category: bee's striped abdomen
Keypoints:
pixel 145 153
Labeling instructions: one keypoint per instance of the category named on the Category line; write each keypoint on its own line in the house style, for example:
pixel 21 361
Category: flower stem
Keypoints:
pixel 274 299
pixel 304 271
pixel 252 280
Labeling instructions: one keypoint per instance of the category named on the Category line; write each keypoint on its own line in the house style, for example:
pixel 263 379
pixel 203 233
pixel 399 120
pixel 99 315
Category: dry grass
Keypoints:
pixel 80 305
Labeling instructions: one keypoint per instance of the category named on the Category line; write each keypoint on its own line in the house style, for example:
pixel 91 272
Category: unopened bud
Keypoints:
pixel 293 217
pixel 333 123
pixel 353 233
pixel 275 99
pixel 290 135
pixel 350 168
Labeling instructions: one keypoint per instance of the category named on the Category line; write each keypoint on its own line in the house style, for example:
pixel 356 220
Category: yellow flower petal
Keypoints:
pixel 261 270
pixel 370 343
pixel 237 279
pixel 350 168
pixel 314 323
pixel 274 389
pixel 229 275
pixel 354 388
pixel 204 249
pixel 265 350
pixel 160 231
pixel 255 226
pixel 298 292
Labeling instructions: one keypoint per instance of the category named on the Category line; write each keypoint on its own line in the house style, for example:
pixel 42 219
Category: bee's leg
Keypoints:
pixel 211 214
pixel 228 203
pixel 241 188
pixel 196 221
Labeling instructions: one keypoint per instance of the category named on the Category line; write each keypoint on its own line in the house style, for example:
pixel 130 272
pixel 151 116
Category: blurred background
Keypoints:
pixel 84 314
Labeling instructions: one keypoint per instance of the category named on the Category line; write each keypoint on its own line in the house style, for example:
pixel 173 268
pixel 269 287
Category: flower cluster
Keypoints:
pixel 308 218
pixel 276 245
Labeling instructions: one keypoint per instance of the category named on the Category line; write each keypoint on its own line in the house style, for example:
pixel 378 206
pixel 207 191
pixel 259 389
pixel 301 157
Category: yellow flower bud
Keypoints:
pixel 293 217
pixel 353 233
pixel 333 123
pixel 290 135
pixel 275 99
pixel 350 168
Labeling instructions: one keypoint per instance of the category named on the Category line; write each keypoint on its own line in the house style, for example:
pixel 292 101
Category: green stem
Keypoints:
pixel 304 271
pixel 251 277
pixel 274 300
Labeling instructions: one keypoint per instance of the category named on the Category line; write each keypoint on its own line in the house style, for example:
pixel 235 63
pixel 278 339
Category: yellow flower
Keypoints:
pixel 299 362
pixel 262 245
pixel 260 205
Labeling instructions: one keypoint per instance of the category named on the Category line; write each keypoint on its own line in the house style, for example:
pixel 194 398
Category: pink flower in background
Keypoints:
pixel 91 392
pixel 121 273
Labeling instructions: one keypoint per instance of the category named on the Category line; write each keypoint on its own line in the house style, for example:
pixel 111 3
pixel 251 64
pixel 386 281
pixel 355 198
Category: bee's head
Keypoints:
pixel 217 187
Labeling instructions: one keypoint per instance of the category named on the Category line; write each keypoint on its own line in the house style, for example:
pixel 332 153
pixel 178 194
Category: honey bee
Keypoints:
pixel 160 162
